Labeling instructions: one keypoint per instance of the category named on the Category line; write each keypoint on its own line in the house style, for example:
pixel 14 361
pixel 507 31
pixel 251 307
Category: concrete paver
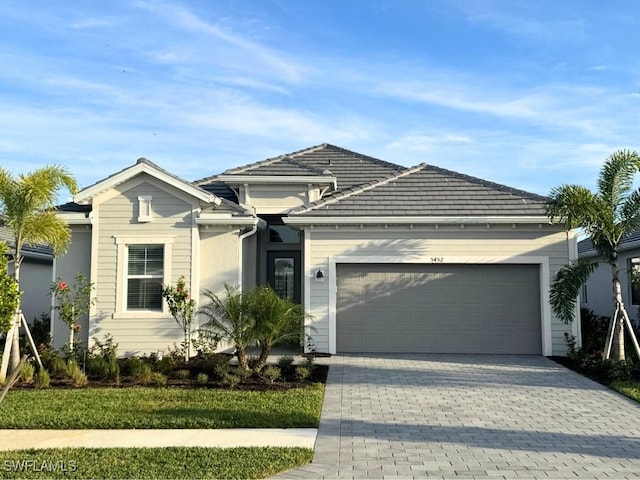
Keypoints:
pixel 223 438
pixel 468 416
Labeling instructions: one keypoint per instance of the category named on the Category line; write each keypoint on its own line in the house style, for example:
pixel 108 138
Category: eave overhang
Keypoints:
pixel 279 180
pixel 415 220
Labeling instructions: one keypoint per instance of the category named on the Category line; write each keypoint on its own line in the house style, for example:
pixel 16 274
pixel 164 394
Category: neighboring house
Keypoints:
pixel 597 293
pixel 36 275
pixel 384 258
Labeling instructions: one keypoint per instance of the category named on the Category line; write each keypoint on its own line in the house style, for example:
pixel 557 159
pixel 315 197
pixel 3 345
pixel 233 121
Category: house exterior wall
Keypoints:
pixel 116 225
pixel 35 282
pixel 324 246
pixel 599 289
pixel 76 260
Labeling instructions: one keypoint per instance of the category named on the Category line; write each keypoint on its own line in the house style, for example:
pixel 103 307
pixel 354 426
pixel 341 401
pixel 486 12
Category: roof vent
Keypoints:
pixel 327 172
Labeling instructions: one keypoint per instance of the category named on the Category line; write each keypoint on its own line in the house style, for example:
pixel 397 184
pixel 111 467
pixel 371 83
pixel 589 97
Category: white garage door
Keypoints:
pixel 452 308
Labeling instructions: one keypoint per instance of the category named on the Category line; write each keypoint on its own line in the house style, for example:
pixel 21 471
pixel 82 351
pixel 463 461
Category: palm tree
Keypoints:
pixel 607 216
pixel 27 203
pixel 276 319
pixel 228 316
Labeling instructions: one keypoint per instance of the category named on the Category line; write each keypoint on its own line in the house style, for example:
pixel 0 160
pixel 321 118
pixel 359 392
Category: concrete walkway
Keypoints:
pixel 239 437
pixel 466 416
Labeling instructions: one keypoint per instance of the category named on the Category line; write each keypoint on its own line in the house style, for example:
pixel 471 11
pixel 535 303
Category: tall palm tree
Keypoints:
pixel 27 203
pixel 607 216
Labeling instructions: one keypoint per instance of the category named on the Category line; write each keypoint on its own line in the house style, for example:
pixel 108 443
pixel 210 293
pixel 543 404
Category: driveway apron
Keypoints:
pixel 470 416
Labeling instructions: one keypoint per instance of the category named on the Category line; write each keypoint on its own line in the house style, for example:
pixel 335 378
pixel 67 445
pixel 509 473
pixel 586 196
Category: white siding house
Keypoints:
pixel 384 258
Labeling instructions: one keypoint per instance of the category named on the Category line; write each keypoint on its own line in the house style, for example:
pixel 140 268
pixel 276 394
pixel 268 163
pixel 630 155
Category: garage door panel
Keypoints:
pixel 438 308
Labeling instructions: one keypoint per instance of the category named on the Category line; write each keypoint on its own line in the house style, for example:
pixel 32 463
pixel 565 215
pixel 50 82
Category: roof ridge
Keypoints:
pixel 368 158
pixel 304 166
pixel 487 183
pixel 254 165
pixel 364 187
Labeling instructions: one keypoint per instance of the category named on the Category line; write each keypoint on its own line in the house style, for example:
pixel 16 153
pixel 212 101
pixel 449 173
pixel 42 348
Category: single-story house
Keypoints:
pixel 383 257
pixel 36 275
pixel 597 292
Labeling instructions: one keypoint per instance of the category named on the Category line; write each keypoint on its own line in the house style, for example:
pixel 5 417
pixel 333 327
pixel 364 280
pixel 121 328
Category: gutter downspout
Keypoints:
pixel 241 238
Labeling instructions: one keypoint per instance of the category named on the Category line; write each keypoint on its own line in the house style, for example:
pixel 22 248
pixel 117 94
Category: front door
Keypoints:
pixel 283 274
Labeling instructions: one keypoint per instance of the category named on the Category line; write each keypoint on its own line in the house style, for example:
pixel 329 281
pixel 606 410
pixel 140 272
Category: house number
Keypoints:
pixel 437 259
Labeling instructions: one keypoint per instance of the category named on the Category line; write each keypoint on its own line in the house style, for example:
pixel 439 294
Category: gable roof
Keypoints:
pixel 428 191
pixel 349 168
pixel 143 166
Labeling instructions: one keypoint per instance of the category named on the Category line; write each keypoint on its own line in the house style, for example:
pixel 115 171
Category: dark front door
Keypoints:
pixel 283 274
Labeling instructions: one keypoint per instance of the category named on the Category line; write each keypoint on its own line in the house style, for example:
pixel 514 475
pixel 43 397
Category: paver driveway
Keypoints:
pixel 468 416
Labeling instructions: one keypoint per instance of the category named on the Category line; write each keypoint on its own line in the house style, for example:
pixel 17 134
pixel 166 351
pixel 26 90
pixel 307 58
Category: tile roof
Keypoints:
pixel 7 237
pixel 426 190
pixel 350 168
pixel 283 165
pixel 630 241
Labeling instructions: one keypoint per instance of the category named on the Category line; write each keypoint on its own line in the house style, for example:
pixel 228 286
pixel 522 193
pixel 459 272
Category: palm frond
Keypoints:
pixel 616 178
pixel 566 286
pixel 576 206
pixel 630 213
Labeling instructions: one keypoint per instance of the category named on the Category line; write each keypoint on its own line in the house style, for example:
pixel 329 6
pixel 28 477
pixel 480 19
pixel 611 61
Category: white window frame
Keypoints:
pixel 122 273
pixel 144 208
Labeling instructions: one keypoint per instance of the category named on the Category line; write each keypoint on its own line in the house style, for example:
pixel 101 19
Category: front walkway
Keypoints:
pixel 468 416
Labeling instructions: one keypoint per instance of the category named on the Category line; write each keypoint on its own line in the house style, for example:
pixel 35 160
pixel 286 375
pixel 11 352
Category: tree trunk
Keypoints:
pixel 243 360
pixel 262 359
pixel 15 343
pixel 618 337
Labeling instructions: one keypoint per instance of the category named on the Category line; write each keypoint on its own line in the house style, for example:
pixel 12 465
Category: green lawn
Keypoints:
pixel 151 462
pixel 144 407
pixel 629 388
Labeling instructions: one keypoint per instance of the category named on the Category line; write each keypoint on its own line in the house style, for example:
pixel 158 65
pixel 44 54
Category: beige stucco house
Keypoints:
pixel 385 258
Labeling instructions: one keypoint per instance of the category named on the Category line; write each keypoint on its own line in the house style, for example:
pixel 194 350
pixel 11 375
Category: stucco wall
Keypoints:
pixel 35 281
pixel 323 243
pixel 76 260
pixel 599 290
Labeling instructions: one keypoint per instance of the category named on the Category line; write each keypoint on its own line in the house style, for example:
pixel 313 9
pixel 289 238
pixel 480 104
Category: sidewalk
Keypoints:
pixel 223 438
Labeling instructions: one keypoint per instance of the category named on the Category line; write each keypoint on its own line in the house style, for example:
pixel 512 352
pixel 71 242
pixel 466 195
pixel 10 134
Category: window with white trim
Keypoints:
pixel 143 265
pixel 145 275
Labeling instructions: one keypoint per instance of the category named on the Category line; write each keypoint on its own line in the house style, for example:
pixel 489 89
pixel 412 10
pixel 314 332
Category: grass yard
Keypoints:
pixel 144 407
pixel 146 463
pixel 628 388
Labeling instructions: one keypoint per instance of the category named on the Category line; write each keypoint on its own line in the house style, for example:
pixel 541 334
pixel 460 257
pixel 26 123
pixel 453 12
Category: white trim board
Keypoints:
pixel 542 261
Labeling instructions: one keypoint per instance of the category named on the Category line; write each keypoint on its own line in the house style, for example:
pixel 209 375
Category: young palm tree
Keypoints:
pixel 276 319
pixel 27 204
pixel 607 216
pixel 228 316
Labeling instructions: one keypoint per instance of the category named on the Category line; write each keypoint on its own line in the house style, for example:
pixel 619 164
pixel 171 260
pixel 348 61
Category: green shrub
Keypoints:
pixel 76 375
pixel 145 373
pixel 202 379
pixel 158 379
pixel 58 366
pixel 42 379
pixel 303 373
pixel 285 363
pixel 231 379
pixel 41 330
pixel 166 365
pixel 182 374
pixel 27 372
pixel 270 374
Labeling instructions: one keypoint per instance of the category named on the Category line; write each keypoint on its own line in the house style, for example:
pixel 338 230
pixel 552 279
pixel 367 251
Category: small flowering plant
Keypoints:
pixel 72 301
pixel 182 308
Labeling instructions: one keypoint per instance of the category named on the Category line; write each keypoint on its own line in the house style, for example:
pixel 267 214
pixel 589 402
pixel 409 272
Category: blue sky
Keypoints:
pixel 527 93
